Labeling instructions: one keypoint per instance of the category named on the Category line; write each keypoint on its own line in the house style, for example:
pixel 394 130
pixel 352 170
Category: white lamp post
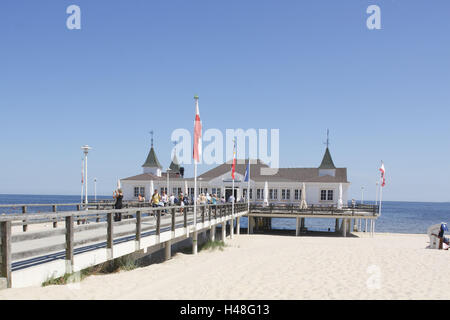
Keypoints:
pixel 85 149
pixel 362 195
pixel 168 171
pixel 95 189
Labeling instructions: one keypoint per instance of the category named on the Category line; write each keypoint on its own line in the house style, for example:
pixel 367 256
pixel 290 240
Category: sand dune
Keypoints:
pixel 388 266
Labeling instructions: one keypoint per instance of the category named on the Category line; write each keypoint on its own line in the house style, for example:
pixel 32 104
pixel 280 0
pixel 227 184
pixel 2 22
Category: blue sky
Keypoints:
pixel 297 66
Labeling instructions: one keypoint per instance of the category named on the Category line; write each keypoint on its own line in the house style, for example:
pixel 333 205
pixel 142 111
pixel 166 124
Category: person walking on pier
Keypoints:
pixel 118 196
pixel 156 198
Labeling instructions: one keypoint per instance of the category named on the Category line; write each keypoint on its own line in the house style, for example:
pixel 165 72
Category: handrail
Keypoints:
pixel 137 218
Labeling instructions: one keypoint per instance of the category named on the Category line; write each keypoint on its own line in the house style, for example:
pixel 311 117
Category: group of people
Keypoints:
pixel 163 200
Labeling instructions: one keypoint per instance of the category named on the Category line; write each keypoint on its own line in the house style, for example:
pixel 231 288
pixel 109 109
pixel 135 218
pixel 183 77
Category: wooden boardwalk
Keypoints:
pixel 83 238
pixel 30 258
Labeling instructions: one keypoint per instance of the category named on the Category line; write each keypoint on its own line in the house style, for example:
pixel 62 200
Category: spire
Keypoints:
pixel 152 160
pixel 175 166
pixel 327 161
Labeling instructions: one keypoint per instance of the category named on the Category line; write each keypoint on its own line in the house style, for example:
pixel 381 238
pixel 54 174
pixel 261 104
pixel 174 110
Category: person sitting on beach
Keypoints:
pixel 118 196
pixel 155 198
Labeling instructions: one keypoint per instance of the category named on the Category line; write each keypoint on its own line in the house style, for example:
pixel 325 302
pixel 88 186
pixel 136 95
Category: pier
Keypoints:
pixel 89 237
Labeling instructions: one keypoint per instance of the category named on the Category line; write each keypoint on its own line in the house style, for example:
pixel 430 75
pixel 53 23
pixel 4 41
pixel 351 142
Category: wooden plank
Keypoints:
pixel 90 240
pixel 36 235
pixel 5 252
pixel 38 251
pixel 185 218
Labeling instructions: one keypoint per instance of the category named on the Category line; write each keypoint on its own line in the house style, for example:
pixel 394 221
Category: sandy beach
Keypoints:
pixel 388 266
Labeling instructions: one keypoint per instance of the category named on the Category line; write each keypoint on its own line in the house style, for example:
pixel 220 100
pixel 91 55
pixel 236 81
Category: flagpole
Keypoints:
pixel 248 187
pixel 248 197
pixel 197 150
pixel 381 196
pixel 82 180
pixel 232 213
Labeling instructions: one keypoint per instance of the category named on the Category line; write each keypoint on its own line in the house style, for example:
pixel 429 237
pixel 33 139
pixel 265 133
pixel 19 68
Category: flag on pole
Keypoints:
pixel 197 134
pixel 233 166
pixel 247 172
pixel 383 179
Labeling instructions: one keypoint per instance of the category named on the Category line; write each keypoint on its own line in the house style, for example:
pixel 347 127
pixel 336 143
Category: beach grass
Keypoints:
pixel 117 265
pixel 213 245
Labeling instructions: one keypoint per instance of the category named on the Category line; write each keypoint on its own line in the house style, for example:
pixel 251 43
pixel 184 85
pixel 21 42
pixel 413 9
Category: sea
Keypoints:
pixel 396 216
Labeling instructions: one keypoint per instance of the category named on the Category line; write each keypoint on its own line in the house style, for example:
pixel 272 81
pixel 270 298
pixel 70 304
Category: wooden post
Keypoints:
pixel 5 252
pixel 168 250
pixel 55 220
pixel 336 225
pixel 185 217
pixel 224 231
pixel 25 226
pixel 212 233
pixel 69 244
pixel 203 214
pixel 110 236
pixel 173 220
pixel 297 227
pixel 98 216
pixel 78 217
pixel 138 230
pixel 344 222
pixel 158 223
pixel 209 214
pixel 238 225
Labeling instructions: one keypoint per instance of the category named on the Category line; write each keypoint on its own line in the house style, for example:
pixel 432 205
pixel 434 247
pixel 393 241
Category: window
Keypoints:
pixel 297 194
pixel 244 193
pixel 139 191
pixel 258 194
pixel 330 195
pixel 326 195
pixel 285 194
pixel 164 190
pixel 216 191
pixel 273 194
pixel 191 192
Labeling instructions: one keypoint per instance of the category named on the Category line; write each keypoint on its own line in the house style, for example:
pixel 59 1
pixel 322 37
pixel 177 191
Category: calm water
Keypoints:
pixel 397 217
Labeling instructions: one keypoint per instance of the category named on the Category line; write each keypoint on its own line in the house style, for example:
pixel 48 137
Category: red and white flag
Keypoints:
pixel 233 166
pixel 197 133
pixel 383 179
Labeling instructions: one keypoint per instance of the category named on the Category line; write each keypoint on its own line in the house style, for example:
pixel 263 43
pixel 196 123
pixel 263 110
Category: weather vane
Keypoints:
pixel 327 143
pixel 151 133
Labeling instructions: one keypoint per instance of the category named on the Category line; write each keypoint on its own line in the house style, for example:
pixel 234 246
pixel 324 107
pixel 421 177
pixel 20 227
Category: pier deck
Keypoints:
pixel 79 239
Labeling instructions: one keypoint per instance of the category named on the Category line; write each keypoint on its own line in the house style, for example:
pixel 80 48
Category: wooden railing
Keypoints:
pixel 144 219
pixel 38 208
pixel 316 209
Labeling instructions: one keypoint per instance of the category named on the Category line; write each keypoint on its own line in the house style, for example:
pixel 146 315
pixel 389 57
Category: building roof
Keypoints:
pixel 149 176
pixel 174 165
pixel 327 162
pixel 282 175
pixel 152 160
